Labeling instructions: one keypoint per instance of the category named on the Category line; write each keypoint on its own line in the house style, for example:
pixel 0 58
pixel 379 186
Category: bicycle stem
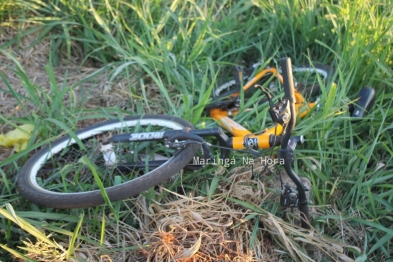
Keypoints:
pixel 286 152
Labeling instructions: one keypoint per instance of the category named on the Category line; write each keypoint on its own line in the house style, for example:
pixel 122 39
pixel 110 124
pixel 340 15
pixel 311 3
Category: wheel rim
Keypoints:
pixel 45 160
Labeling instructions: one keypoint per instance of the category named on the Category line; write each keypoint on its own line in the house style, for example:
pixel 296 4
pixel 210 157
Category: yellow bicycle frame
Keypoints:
pixel 240 133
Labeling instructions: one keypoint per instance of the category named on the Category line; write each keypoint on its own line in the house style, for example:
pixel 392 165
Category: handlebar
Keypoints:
pixel 289 87
pixel 289 91
pixel 287 152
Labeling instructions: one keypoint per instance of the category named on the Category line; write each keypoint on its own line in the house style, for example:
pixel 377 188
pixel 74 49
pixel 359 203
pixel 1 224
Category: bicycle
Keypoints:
pixel 65 174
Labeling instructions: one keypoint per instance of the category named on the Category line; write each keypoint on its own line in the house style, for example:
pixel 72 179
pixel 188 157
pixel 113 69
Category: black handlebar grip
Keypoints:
pixel 289 87
pixel 364 103
pixel 305 216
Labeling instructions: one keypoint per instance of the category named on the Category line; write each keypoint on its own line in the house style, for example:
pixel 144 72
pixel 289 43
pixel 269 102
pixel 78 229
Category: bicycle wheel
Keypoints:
pixel 305 76
pixel 62 175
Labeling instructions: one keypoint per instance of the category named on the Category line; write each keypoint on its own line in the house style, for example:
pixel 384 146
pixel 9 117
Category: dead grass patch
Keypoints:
pixel 192 228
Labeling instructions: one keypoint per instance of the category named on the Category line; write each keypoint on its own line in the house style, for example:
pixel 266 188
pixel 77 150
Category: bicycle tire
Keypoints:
pixel 229 88
pixel 65 148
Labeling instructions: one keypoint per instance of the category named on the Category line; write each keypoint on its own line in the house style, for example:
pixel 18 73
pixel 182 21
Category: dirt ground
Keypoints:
pixel 23 64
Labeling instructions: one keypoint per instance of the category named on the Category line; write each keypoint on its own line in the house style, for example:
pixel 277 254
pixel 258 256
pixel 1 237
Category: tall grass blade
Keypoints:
pixel 16 254
pixel 10 215
pixel 84 160
pixel 71 247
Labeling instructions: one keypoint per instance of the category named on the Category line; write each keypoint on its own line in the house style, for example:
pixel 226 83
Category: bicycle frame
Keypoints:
pixel 243 138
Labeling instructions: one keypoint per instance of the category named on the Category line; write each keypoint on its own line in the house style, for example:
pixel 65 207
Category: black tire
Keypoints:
pixel 61 158
pixel 313 89
pixel 308 89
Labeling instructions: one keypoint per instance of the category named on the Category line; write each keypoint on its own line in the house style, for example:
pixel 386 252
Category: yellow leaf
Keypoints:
pixel 17 138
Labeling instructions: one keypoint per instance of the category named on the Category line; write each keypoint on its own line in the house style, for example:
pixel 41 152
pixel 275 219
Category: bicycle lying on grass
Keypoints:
pixel 129 156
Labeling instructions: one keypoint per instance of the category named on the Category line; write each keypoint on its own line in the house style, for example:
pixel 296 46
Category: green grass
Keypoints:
pixel 182 50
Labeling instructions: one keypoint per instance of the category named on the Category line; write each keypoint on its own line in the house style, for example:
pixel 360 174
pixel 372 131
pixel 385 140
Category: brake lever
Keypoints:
pixel 186 138
pixel 279 112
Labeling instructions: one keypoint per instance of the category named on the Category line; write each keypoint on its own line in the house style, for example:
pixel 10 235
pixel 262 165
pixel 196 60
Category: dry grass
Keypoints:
pixel 192 228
